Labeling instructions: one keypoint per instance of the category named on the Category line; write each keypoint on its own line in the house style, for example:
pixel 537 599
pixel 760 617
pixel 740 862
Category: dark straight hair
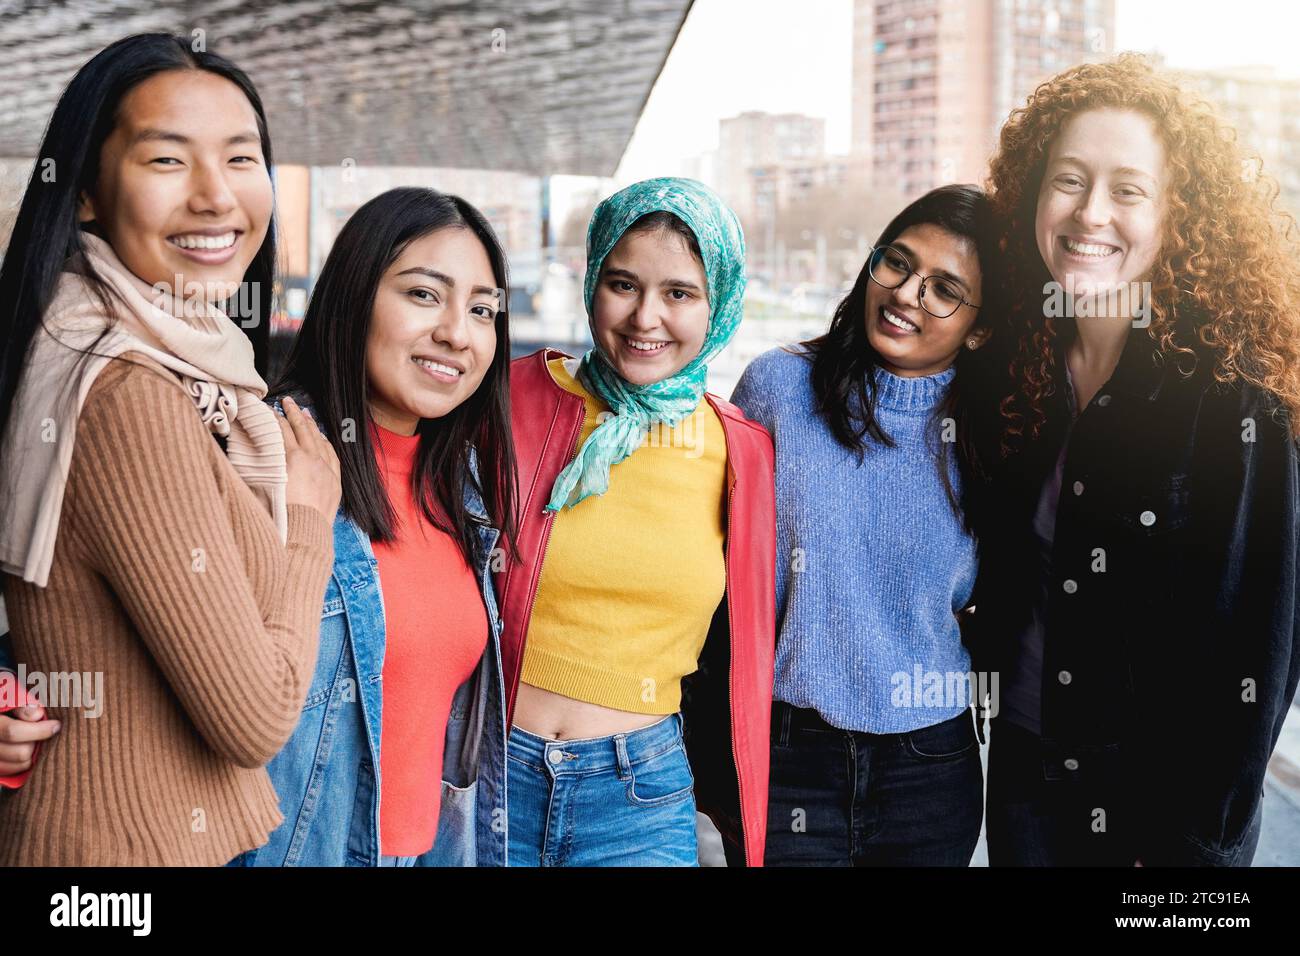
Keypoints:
pixel 327 364
pixel 46 232
pixel 844 362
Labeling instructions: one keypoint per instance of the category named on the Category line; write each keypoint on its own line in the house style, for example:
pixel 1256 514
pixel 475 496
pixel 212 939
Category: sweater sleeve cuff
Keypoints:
pixel 308 528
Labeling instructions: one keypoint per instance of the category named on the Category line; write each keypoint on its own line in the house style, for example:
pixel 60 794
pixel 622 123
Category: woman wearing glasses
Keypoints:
pixel 874 758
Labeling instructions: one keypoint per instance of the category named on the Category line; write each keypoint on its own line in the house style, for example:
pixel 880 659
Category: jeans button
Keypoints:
pixel 1070 586
pixel 1078 488
pixel 1148 518
pixel 1071 764
pixel 1065 677
pixel 555 756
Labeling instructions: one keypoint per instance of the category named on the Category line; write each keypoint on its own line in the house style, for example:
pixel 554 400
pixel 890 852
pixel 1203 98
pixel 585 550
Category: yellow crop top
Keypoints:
pixel 631 578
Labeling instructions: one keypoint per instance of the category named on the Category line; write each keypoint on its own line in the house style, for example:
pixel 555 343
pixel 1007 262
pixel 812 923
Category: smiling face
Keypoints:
pixel 1101 204
pixel 183 188
pixel 432 331
pixel 910 341
pixel 651 306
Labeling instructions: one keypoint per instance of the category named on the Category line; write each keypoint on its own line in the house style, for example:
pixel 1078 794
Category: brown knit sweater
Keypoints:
pixel 168 578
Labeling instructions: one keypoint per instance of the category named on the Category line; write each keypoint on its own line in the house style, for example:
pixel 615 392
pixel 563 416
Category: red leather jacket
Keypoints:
pixel 727 703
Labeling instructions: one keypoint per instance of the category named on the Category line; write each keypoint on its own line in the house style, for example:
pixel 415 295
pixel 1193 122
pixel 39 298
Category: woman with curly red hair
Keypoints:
pixel 1138 579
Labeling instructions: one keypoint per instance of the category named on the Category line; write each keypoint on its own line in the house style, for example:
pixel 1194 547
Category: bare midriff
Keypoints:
pixel 553 716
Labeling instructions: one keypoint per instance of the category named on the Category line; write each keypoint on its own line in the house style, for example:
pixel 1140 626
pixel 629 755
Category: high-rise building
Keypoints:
pixel 933 80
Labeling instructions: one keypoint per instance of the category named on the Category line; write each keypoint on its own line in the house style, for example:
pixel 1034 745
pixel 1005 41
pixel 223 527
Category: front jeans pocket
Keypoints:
pixel 943 741
pixel 662 779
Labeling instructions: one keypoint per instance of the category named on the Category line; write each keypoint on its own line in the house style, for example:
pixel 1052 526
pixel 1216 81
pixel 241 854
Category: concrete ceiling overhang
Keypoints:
pixel 535 86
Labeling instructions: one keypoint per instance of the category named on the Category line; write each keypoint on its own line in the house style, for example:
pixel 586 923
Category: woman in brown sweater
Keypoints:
pixel 165 535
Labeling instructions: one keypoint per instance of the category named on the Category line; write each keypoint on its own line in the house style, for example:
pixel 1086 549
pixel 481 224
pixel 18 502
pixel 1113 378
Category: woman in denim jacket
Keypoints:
pixel 413 287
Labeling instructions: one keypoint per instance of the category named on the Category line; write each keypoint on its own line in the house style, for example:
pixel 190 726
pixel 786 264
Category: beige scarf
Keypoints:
pixel 212 359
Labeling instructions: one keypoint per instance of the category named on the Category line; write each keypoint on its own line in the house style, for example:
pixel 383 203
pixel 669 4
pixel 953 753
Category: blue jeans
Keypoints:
pixel 846 798
pixel 622 800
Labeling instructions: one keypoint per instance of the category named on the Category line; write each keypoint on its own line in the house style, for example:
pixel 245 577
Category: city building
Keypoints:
pixel 762 139
pixel 933 80
pixel 1265 110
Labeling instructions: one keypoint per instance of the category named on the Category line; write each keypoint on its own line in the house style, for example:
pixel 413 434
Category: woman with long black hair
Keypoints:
pixel 874 757
pixel 159 525
pixel 403 359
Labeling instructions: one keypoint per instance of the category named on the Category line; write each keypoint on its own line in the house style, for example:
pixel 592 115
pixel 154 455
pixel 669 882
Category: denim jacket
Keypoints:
pixel 327 775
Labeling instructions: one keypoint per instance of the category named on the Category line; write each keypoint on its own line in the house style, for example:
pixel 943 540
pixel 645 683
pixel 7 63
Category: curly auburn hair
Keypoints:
pixel 1228 265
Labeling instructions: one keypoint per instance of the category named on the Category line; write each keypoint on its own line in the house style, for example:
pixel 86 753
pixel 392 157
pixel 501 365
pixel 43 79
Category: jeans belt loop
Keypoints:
pixel 620 750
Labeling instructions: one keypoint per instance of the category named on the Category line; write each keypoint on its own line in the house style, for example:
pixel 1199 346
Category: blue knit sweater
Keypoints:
pixel 872 563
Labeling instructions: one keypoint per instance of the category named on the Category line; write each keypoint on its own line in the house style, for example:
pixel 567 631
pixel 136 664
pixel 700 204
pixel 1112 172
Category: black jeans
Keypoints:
pixel 1033 822
pixel 845 798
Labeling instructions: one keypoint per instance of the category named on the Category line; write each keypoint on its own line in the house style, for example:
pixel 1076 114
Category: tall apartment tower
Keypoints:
pixel 933 80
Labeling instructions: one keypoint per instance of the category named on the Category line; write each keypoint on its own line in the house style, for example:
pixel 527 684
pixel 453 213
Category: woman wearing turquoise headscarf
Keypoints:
pixel 638 608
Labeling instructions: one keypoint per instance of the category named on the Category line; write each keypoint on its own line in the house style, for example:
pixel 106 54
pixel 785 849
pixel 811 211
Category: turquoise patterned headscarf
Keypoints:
pixel 636 408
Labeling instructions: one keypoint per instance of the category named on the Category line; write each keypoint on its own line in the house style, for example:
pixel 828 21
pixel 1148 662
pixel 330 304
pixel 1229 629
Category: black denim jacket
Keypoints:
pixel 1172 644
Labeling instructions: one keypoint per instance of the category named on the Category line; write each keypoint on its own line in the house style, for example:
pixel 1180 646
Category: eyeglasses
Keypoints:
pixel 889 268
